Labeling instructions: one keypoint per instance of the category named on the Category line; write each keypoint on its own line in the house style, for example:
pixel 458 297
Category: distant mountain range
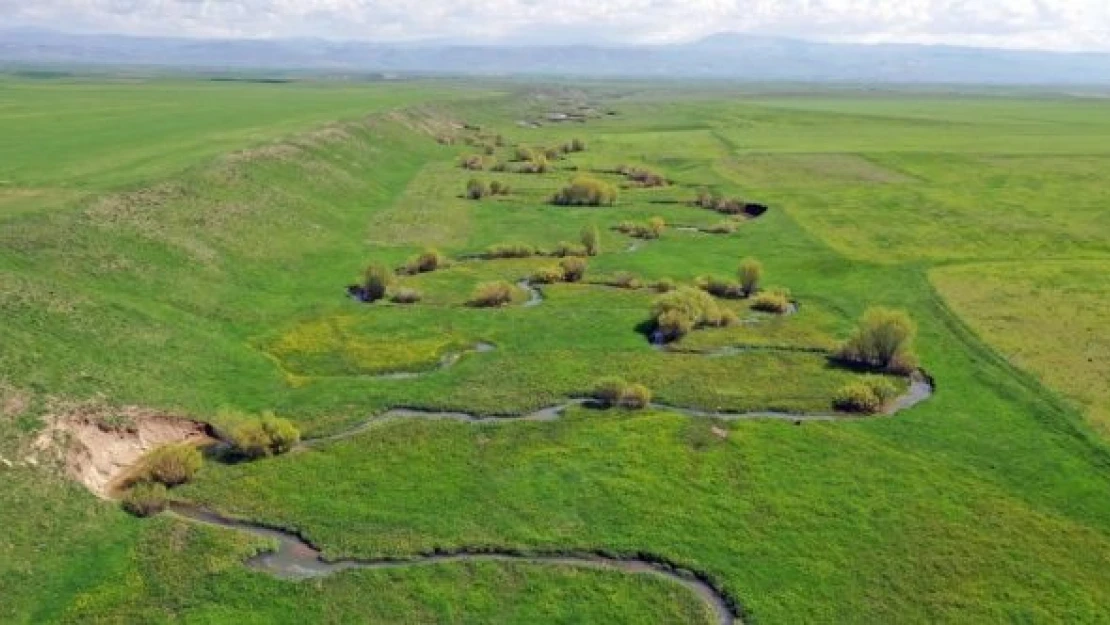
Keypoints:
pixel 724 56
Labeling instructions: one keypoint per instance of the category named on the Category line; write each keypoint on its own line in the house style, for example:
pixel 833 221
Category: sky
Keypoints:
pixel 1069 25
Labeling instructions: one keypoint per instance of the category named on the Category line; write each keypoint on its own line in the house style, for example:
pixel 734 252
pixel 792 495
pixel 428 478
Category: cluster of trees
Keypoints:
pixel 617 393
pixel 477 189
pixel 882 341
pixel 681 311
pixel 727 206
pixel 653 229
pixel 570 269
pixel 586 191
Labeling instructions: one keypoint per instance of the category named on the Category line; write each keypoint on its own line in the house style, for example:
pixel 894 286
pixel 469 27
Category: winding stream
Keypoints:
pixel 297 559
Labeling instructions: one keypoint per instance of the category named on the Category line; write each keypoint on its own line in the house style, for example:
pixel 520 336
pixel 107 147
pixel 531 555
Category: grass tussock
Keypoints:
pixel 261 438
pixel 492 294
pixel 776 301
pixel 573 269
pixel 510 250
pixel 170 465
pixel 868 396
pixel 145 499
pixel 426 262
pixel 406 295
pixel 613 392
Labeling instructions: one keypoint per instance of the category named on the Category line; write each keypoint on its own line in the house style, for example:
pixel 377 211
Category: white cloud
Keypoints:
pixel 1046 24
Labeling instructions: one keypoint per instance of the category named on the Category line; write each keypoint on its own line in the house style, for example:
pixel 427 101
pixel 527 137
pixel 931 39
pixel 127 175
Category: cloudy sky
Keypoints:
pixel 1041 24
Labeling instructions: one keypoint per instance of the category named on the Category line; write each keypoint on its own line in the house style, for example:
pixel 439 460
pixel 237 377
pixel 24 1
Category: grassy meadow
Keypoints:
pixel 186 246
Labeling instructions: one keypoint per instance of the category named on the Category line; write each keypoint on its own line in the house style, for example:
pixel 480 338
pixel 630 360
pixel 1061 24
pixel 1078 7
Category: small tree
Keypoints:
pixel 591 239
pixel 378 279
pixel 751 272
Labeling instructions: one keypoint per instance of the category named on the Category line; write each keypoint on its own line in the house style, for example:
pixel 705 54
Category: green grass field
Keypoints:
pixel 185 246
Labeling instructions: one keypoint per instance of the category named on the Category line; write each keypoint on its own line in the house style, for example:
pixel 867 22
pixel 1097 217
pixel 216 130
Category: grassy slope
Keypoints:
pixel 984 504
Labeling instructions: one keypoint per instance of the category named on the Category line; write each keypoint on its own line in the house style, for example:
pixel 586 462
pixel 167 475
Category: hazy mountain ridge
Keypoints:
pixel 731 56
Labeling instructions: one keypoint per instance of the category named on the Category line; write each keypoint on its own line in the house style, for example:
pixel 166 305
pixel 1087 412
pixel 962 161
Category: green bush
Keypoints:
pixel 856 397
pixel 476 189
pixel 268 436
pixel 586 191
pixel 566 248
pixel 615 392
pixel 721 288
pixel 492 294
pixel 406 296
pixel 591 240
pixel 427 261
pixel 681 311
pixel 378 278
pixel 171 465
pixel 882 340
pixel 869 395
pixel 773 301
pixel 750 273
pixel 573 269
pixel 547 275
pixel 145 499
pixel 510 250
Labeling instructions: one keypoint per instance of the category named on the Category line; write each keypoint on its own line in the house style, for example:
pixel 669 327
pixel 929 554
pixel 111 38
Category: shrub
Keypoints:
pixel 268 436
pixel 664 285
pixel 681 311
pixel 591 240
pixel 773 301
pixel 869 395
pixel 657 225
pixel 547 275
pixel 525 154
pixel 882 340
pixel 721 288
pixel 499 188
pixel 586 191
pixel 577 145
pixel 428 260
pixel 565 249
pixel 552 154
pixel 492 294
pixel 625 280
pixel 406 296
pixel 489 150
pixel 476 189
pixel 378 279
pixel 856 397
pixel 538 164
pixel 750 272
pixel 510 250
pixel 627 227
pixel 499 166
pixel 573 269
pixel 615 392
pixel 145 499
pixel 171 465
pixel 705 199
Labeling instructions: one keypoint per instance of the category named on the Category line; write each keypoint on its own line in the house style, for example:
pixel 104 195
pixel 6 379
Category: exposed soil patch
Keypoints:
pixel 99 448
